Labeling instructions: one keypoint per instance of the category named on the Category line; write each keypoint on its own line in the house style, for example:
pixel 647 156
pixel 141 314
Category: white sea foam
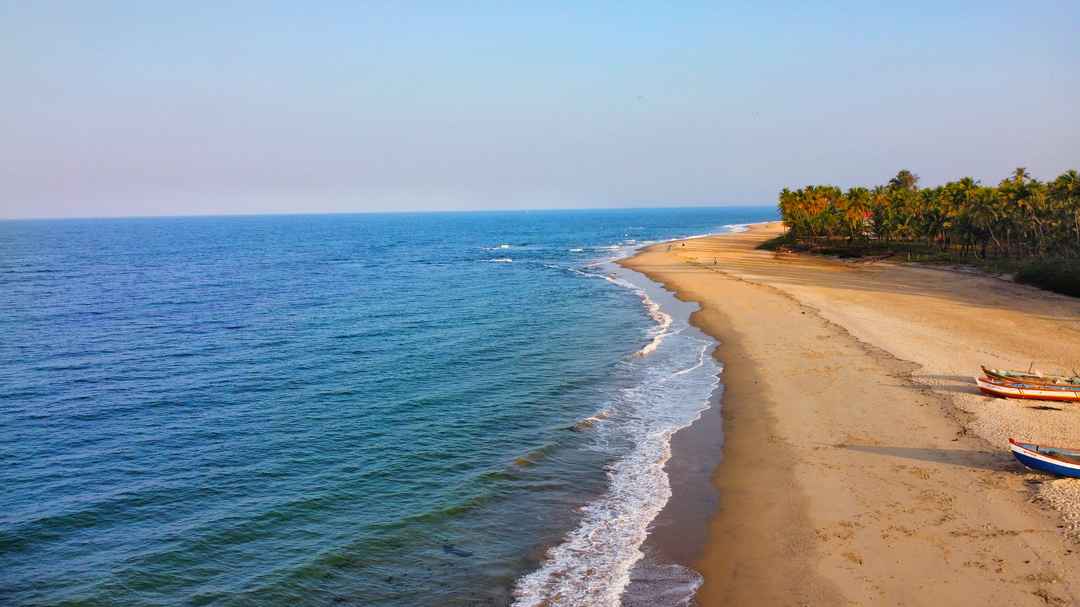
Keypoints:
pixel 663 319
pixel 576 250
pixel 592 566
pixel 501 260
pixel 663 323
pixel 596 418
pixel 696 236
pixel 700 363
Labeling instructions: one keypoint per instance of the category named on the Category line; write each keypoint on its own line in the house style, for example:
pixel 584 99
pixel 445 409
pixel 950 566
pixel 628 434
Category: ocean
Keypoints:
pixel 385 409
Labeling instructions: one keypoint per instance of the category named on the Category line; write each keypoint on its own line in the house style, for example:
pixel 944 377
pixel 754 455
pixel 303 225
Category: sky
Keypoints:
pixel 176 108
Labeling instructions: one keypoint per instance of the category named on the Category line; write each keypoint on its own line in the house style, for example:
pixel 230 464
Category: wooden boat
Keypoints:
pixel 1017 389
pixel 1031 378
pixel 1055 460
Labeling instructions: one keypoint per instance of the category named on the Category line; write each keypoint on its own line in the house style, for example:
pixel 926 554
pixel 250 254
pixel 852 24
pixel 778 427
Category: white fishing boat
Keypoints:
pixel 1018 389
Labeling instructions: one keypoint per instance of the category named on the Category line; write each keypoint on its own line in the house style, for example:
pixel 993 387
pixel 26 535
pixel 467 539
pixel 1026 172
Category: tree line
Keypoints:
pixel 1020 217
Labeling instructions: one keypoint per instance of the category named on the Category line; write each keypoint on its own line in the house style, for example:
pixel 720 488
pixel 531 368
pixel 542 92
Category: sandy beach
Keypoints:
pixel 860 465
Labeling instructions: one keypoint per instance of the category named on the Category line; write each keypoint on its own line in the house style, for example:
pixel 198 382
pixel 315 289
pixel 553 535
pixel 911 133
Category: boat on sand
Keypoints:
pixel 1031 377
pixel 1055 460
pixel 994 386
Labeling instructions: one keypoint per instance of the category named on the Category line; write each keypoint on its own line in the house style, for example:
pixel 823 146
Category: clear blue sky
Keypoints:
pixel 151 108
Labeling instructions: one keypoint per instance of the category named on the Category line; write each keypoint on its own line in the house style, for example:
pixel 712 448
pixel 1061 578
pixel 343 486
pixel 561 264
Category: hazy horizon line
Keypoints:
pixel 386 212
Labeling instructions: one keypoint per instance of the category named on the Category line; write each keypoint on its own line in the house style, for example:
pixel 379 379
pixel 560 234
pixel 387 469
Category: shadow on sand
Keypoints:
pixel 997 461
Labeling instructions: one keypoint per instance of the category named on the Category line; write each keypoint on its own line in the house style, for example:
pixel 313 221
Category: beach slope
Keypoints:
pixel 860 464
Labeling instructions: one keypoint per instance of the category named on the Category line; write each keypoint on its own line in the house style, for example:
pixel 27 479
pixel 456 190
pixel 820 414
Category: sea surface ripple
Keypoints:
pixel 399 410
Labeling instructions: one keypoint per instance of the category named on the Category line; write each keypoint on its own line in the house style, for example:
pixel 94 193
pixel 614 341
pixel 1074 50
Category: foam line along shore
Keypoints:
pixel 604 560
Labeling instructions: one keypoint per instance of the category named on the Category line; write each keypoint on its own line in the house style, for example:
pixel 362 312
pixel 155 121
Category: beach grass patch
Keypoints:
pixel 1057 275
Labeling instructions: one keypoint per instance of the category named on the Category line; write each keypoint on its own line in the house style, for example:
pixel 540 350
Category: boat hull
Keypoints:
pixel 1028 391
pixel 1042 463
pixel 1025 378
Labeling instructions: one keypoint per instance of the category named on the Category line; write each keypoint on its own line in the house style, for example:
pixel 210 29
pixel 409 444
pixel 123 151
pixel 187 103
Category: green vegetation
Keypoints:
pixel 1060 275
pixel 1022 225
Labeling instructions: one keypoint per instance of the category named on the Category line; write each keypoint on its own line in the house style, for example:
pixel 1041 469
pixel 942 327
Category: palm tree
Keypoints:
pixel 904 180
pixel 985 212
pixel 1020 175
pixel 857 210
pixel 1064 194
pixel 957 199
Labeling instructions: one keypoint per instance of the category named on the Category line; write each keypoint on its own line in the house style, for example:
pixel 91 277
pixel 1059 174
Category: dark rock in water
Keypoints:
pixel 451 549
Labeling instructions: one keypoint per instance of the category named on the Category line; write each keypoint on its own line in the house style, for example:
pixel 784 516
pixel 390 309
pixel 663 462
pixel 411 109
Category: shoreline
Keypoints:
pixel 857 469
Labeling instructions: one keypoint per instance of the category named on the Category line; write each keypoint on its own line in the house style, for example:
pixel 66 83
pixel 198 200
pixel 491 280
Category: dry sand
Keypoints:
pixel 860 464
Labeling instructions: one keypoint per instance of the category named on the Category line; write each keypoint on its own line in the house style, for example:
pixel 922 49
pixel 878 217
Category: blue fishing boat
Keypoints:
pixel 1055 460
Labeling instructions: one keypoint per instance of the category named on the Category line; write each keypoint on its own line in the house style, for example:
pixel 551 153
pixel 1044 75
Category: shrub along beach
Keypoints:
pixel 861 465
pixel 1023 225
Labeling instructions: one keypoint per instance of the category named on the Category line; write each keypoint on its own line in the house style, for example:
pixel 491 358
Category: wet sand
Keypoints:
pixel 860 466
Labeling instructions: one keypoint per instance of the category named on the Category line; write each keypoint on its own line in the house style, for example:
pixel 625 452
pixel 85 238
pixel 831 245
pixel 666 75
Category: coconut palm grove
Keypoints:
pixel 1022 224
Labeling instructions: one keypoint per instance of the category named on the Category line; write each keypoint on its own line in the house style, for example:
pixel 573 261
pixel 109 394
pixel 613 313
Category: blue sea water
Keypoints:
pixel 399 409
